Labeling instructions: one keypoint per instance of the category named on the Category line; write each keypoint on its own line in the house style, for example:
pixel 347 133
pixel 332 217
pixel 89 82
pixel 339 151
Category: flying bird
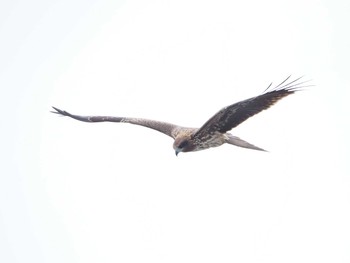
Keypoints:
pixel 214 132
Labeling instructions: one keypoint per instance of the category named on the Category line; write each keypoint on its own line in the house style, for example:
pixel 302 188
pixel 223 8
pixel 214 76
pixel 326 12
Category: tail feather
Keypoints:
pixel 234 140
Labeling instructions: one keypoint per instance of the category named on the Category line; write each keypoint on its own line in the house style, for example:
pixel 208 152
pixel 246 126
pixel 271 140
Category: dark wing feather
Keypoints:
pixel 233 115
pixel 163 127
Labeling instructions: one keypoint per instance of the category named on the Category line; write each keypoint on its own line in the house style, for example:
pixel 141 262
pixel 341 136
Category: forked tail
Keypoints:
pixel 241 143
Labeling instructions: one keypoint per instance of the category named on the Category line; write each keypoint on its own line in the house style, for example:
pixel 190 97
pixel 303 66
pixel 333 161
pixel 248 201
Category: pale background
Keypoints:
pixel 79 192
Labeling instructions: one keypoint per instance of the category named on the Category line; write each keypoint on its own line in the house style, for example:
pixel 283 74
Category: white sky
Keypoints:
pixel 79 192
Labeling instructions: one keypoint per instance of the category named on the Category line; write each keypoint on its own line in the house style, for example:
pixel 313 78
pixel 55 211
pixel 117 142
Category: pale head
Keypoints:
pixel 183 143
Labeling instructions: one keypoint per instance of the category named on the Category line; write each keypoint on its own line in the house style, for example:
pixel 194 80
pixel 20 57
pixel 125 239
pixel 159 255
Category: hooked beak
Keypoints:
pixel 177 152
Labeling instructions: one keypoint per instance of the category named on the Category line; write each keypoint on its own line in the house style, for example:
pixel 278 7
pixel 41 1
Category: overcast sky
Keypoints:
pixel 107 192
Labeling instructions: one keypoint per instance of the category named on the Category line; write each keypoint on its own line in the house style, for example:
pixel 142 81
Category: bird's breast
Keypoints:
pixel 210 140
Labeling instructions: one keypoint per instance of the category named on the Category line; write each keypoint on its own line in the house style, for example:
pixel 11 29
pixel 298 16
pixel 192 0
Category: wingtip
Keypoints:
pixel 291 85
pixel 55 110
pixel 58 111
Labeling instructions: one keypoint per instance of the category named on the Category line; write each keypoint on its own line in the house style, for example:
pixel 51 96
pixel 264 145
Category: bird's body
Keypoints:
pixel 215 131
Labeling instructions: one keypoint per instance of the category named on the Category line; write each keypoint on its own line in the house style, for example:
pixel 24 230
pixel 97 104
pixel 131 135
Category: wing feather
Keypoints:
pixel 163 127
pixel 233 115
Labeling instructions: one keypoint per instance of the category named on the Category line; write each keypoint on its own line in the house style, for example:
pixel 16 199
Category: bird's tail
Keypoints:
pixel 241 143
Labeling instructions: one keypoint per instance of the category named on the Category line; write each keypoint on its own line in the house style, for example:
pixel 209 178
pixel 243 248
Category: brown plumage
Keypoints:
pixel 215 131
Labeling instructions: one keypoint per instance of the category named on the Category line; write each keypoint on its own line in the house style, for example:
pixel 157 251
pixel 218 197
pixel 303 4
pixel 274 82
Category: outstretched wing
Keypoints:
pixel 233 115
pixel 163 127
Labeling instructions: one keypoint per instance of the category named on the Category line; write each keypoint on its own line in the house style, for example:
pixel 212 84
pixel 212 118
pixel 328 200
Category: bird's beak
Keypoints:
pixel 176 152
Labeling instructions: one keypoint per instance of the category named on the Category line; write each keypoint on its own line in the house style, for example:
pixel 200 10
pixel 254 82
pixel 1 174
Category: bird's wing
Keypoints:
pixel 163 127
pixel 233 115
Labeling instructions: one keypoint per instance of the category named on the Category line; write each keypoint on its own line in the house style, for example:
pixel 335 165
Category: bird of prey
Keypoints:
pixel 214 132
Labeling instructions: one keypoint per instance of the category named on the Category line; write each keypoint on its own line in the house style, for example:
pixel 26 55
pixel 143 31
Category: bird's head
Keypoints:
pixel 183 144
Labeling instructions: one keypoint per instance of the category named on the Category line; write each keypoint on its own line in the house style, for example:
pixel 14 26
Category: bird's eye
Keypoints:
pixel 183 144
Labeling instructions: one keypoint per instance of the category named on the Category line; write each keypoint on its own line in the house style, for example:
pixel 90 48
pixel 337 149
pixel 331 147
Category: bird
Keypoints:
pixel 215 131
